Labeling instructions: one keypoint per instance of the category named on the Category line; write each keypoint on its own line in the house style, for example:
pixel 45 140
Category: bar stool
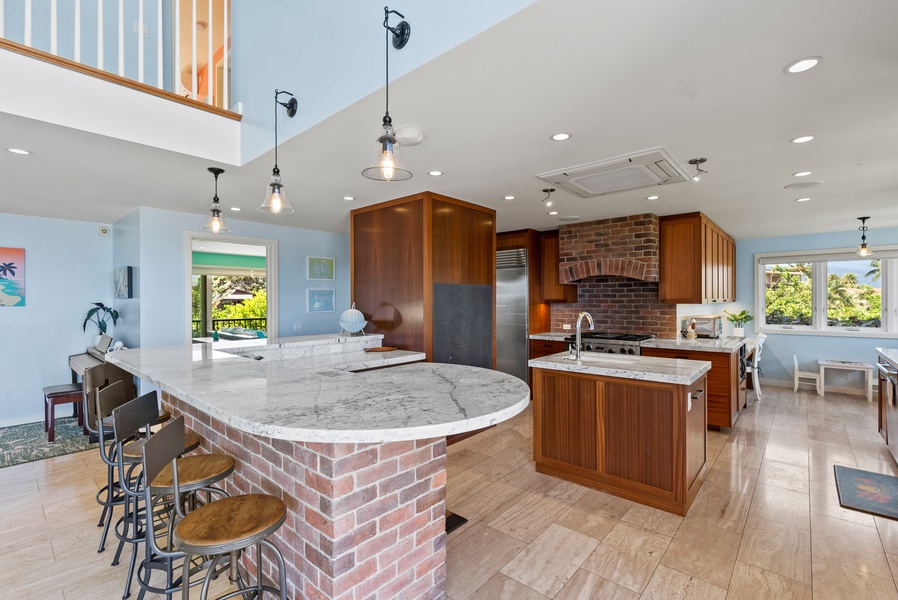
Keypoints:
pixel 199 473
pixel 54 395
pixel 222 528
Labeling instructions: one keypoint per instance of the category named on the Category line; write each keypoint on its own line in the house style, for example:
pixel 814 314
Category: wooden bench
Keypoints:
pixel 61 394
pixel 867 368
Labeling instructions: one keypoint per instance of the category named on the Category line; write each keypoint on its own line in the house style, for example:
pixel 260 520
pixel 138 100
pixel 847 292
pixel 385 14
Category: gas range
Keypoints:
pixel 611 343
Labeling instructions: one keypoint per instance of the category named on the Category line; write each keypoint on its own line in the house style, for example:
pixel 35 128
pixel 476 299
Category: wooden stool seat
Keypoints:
pixel 194 472
pixel 55 395
pixel 133 451
pixel 229 524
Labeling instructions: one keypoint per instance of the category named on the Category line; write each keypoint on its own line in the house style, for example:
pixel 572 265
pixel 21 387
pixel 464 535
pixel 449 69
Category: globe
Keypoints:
pixel 352 320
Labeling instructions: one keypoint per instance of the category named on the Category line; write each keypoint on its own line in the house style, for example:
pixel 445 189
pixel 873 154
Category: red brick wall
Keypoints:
pixel 365 521
pixel 617 304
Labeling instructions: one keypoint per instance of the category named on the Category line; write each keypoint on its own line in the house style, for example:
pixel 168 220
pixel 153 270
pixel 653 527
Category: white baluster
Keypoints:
pixel 159 45
pixel 77 32
pixel 27 39
pixel 176 59
pixel 2 19
pixel 53 26
pixel 225 100
pixel 121 38
pixel 193 74
pixel 140 41
pixel 210 78
pixel 100 34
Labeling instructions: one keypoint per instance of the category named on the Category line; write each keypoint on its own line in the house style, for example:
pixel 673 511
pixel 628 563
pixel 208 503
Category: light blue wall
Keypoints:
pixel 68 265
pixel 331 54
pixel 779 348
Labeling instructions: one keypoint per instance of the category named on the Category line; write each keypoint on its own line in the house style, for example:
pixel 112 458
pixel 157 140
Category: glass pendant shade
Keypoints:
pixel 386 163
pixel 863 251
pixel 216 223
pixel 276 196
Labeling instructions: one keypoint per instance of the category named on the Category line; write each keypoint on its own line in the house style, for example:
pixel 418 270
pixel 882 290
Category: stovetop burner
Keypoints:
pixel 618 337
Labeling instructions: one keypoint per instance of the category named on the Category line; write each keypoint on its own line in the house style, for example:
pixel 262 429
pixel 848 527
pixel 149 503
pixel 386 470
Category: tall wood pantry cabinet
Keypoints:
pixel 697 261
pixel 424 275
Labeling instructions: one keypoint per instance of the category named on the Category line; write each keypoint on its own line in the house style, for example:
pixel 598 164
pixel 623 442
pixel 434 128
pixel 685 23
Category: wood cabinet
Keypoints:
pixel 553 291
pixel 540 348
pixel 726 390
pixel 424 275
pixel 697 261
pixel 640 440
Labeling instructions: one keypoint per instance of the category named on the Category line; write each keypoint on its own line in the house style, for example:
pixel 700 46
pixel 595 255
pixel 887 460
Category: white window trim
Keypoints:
pixel 818 326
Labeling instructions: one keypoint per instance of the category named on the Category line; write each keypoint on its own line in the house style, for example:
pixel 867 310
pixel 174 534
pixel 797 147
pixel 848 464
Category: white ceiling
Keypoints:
pixel 699 78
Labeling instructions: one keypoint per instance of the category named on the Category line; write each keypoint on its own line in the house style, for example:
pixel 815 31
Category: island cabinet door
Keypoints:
pixel 566 421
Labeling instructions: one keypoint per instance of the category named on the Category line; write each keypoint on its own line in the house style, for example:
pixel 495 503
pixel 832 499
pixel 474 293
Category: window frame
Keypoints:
pixel 819 259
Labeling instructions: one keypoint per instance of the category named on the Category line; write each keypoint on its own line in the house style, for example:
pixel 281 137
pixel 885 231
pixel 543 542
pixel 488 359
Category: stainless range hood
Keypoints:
pixel 646 168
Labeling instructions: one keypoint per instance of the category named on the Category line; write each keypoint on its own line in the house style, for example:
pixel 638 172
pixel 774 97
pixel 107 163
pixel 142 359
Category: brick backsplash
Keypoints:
pixel 614 262
pixel 619 305
pixel 364 521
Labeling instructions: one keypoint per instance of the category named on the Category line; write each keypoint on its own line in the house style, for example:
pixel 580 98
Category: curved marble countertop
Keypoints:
pixel 723 344
pixel 644 368
pixel 890 355
pixel 329 397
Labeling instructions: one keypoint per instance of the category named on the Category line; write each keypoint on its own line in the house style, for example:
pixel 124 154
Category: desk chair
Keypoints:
pixel 754 369
pixel 809 376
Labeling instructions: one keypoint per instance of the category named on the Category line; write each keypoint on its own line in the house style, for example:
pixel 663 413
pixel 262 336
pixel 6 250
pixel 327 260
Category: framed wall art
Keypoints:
pixel 320 268
pixel 12 277
pixel 123 282
pixel 320 301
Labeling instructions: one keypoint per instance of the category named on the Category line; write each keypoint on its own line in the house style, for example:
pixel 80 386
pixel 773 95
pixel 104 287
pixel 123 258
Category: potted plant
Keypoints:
pixel 100 315
pixel 739 320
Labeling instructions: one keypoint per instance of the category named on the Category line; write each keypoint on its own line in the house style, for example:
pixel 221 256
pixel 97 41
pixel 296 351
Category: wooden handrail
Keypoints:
pixel 106 76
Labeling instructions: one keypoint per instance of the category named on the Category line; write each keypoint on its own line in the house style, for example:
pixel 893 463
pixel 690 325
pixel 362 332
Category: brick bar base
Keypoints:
pixel 365 521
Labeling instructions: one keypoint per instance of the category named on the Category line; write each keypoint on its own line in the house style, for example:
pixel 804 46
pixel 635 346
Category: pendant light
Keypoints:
pixel 547 201
pixel 386 164
pixel 275 198
pixel 216 223
pixel 699 171
pixel 862 250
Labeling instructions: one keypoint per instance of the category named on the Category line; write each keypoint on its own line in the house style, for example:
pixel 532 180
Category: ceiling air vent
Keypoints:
pixel 628 172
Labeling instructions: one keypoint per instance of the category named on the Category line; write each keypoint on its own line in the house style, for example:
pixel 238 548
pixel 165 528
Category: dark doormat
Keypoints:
pixel 868 492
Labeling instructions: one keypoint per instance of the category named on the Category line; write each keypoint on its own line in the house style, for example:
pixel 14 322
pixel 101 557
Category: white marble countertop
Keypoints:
pixel 726 344
pixel 889 355
pixel 557 336
pixel 329 397
pixel 644 368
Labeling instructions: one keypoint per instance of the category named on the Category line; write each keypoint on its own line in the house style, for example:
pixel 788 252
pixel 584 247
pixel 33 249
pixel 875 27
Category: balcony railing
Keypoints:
pixel 180 46
pixel 219 324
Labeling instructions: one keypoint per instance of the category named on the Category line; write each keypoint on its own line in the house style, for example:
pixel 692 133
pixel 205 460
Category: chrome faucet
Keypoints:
pixel 591 327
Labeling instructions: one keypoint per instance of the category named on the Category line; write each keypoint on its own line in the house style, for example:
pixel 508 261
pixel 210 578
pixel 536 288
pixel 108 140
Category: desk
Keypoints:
pixel 867 368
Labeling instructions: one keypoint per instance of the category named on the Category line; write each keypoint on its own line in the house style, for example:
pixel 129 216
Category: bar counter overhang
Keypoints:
pixel 353 442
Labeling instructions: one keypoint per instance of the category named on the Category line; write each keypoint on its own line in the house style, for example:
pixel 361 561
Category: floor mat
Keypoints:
pixel 26 443
pixel 868 492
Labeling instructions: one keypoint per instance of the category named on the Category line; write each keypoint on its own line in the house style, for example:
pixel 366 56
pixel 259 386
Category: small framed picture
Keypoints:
pixel 320 268
pixel 320 301
pixel 123 282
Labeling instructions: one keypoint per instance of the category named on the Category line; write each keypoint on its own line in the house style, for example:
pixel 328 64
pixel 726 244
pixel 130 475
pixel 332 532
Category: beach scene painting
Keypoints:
pixel 12 277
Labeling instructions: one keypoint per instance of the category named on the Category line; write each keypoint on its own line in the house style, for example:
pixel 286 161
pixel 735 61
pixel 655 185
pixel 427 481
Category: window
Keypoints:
pixel 828 292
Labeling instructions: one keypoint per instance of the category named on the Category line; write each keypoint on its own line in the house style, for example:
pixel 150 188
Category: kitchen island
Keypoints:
pixel 631 426
pixel 352 441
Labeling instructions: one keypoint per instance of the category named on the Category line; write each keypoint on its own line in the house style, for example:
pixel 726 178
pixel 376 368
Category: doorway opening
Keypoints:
pixel 233 287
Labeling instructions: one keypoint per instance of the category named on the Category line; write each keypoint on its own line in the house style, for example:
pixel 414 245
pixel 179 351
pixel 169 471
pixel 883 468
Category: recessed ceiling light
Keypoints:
pixel 803 64
pixel 435 173
pixel 553 212
pixel 236 208
pixel 18 151
pixel 802 199
pixel 509 197
pixel 347 198
pixel 802 139
pixel 560 137
pixel 801 174
pixel 652 197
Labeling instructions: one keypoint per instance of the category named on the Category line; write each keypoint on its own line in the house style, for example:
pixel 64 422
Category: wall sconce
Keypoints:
pixel 276 197
pixel 386 164
pixel 862 250
pixel 216 223
pixel 698 162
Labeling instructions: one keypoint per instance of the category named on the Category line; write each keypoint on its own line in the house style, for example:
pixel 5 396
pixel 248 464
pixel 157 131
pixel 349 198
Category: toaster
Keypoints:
pixel 706 326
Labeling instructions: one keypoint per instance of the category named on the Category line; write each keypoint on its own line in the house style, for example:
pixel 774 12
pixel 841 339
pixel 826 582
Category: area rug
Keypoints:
pixel 868 492
pixel 26 443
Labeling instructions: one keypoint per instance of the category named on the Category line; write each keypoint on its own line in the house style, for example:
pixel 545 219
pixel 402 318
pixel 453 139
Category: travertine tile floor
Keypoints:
pixel 766 523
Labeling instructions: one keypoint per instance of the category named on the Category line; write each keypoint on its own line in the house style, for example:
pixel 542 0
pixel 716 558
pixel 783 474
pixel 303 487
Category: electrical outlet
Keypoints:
pixel 566 326
pixel 846 376
pixel 297 327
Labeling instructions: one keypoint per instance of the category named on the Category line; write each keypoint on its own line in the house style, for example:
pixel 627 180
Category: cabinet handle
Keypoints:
pixel 698 393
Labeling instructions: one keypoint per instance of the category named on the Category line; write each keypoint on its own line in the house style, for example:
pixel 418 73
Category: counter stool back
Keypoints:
pixel 755 367
pixel 222 528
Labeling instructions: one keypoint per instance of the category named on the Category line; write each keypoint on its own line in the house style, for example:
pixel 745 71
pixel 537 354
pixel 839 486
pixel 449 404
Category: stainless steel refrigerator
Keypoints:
pixel 511 313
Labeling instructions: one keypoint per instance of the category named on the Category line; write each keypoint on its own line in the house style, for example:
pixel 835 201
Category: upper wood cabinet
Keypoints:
pixel 697 261
pixel 552 290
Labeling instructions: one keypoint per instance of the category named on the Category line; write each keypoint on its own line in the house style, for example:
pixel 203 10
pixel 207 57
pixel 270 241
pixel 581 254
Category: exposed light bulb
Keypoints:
pixel 216 224
pixel 697 176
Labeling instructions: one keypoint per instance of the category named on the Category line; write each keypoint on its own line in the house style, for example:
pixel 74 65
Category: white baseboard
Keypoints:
pixel 849 390
pixel 37 418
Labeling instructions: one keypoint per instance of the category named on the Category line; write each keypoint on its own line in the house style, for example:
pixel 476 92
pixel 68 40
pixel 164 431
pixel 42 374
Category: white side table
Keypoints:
pixel 867 368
